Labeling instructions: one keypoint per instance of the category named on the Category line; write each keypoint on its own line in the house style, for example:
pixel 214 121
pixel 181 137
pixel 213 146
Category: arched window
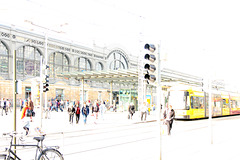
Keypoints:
pixel 58 63
pixel 117 60
pixel 82 64
pixel 99 66
pixel 28 61
pixel 3 58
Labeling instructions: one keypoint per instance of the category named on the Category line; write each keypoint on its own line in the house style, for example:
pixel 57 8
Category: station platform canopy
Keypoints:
pixel 130 76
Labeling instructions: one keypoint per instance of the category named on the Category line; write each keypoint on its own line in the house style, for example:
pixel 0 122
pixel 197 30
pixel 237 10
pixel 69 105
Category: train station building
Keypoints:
pixel 62 57
pixel 109 73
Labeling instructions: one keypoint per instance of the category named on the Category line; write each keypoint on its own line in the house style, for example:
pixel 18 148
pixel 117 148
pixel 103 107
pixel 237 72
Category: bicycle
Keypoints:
pixel 49 153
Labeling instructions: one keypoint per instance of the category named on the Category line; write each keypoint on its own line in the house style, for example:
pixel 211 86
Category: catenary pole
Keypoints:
pixel 210 111
pixel 111 95
pixel 82 91
pixel 159 97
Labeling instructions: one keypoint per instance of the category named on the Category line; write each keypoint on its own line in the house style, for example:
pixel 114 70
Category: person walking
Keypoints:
pixel 77 114
pixel 61 105
pixel 4 106
pixel 21 104
pixel 31 107
pixel 144 109
pixel 131 110
pixel 168 116
pixel 85 112
pixel 95 111
pixel 25 117
pixel 8 104
pixel 71 112
pixel 102 110
pixel 56 105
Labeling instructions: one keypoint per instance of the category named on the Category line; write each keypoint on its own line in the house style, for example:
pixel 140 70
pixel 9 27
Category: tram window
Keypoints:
pixel 197 102
pixel 238 104
pixel 234 104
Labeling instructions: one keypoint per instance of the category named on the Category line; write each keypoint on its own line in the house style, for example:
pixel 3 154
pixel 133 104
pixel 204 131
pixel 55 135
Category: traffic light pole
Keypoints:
pixel 14 97
pixel 41 90
pixel 46 62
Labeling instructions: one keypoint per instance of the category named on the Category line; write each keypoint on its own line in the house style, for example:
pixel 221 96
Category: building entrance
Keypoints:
pixel 127 96
pixel 27 92
pixel 59 94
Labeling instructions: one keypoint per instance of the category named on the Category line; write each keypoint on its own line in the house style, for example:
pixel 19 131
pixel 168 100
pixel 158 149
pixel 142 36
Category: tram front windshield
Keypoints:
pixel 177 99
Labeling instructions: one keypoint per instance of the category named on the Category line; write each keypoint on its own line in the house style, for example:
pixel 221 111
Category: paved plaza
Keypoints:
pixel 189 139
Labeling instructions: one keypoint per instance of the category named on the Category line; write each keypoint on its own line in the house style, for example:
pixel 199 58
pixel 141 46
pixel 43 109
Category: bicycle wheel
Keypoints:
pixel 50 154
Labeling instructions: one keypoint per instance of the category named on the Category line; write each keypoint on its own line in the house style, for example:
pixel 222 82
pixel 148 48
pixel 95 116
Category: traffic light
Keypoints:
pixel 46 84
pixel 149 64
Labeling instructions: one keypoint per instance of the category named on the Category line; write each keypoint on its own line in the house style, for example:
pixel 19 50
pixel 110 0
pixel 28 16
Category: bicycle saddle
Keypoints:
pixel 39 138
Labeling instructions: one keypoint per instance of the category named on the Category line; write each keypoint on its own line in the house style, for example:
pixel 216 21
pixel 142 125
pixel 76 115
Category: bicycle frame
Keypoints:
pixel 11 152
pixel 23 145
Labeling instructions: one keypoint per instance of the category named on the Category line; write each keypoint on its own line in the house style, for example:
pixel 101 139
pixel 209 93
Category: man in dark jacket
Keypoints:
pixel 85 112
pixel 131 110
pixel 169 115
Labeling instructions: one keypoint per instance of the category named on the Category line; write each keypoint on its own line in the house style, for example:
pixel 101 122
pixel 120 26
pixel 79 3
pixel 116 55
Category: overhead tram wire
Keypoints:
pixel 73 15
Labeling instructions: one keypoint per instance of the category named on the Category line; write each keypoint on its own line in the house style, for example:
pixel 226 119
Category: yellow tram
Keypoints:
pixel 193 103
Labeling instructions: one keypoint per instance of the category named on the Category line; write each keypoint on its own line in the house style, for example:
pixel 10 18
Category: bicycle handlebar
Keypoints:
pixel 13 133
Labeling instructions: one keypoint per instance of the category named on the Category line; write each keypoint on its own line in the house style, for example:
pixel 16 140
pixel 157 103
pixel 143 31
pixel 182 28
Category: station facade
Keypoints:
pixel 62 57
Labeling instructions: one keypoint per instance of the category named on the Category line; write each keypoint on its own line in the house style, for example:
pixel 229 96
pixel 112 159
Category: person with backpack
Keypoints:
pixel 77 113
pixel 25 117
pixel 85 112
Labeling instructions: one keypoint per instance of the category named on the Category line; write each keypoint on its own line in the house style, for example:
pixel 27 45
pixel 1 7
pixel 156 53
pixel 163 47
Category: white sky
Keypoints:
pixel 192 32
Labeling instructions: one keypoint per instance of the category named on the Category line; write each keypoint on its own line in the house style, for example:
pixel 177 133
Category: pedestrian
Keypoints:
pixel 47 110
pixel 168 116
pixel 67 103
pixel 56 105
pixel 85 112
pixel 95 111
pixel 71 112
pixel 4 106
pixel 8 104
pixel 61 105
pixel 31 107
pixel 131 110
pixel 26 117
pixel 52 104
pixel 21 104
pixel 77 113
pixel 102 110
pixel 144 109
